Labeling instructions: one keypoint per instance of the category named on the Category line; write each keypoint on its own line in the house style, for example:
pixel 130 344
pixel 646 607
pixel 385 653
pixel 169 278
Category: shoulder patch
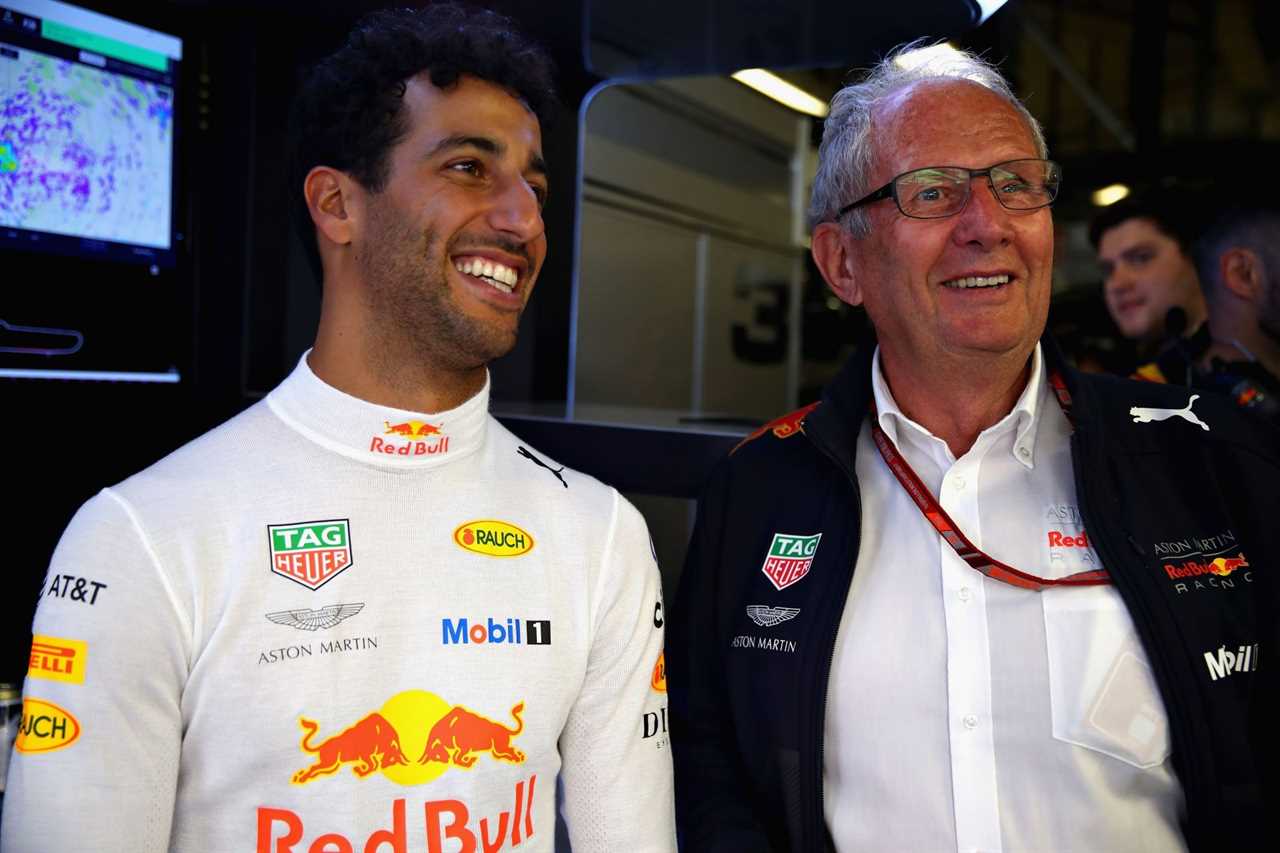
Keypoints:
pixel 783 427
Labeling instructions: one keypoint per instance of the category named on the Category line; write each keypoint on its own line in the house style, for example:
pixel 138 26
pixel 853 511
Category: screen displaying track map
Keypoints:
pixel 84 152
pixel 92 274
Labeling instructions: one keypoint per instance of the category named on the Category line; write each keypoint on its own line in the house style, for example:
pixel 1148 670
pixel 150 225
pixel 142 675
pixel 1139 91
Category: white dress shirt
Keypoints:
pixel 967 714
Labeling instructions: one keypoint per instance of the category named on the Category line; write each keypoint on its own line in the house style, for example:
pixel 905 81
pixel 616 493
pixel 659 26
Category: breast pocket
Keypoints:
pixel 1102 692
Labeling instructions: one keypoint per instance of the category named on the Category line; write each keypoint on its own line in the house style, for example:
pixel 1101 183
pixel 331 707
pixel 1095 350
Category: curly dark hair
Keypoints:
pixel 348 112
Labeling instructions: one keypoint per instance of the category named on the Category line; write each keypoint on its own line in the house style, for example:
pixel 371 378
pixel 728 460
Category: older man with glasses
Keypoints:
pixel 973 599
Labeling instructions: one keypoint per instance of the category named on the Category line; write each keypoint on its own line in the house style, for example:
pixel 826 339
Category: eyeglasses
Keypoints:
pixel 936 192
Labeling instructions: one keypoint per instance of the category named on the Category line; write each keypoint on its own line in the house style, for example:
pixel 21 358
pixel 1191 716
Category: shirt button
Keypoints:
pixel 965 594
pixel 959 482
pixel 1024 453
pixel 970 721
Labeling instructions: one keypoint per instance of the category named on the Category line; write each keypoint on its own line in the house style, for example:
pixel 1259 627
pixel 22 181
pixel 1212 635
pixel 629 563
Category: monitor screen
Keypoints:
pixel 86 134
pixel 93 268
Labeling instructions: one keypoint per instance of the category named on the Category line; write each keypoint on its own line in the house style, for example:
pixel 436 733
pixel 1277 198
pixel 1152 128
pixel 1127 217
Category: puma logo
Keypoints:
pixel 1142 415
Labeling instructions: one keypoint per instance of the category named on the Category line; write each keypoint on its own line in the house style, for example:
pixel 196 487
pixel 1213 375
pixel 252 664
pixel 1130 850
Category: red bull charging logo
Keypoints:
pixel 1220 566
pixel 1224 566
pixel 423 439
pixel 413 738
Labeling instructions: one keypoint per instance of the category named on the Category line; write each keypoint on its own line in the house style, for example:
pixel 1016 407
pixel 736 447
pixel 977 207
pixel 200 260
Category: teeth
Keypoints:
pixel 977 281
pixel 500 276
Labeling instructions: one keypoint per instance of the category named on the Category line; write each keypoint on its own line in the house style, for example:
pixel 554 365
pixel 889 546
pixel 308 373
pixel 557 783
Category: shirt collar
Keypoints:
pixel 378 434
pixel 1022 418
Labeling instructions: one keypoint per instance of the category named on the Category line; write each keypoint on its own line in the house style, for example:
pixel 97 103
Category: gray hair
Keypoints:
pixel 848 146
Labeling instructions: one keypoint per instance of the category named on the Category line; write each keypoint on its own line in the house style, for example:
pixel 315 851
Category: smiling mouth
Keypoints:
pixel 976 281
pixel 496 275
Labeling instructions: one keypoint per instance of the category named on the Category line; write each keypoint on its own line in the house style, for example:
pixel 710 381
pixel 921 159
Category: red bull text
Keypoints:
pixel 417 433
pixel 1220 566
pixel 282 830
pixel 1058 539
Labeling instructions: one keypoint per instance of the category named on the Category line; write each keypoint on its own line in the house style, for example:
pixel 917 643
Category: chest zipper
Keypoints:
pixel 831 648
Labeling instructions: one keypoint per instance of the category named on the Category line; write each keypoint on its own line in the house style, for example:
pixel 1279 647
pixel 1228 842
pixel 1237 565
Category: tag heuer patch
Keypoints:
pixel 789 558
pixel 310 552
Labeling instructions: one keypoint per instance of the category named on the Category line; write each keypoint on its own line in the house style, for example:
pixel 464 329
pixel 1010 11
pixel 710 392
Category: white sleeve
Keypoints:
pixel 617 774
pixel 96 763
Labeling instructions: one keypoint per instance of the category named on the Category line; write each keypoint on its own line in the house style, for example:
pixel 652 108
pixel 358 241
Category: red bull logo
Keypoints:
pixel 444 821
pixel 411 429
pixel 1220 566
pixel 1058 539
pixel 413 738
pixel 418 434
pixel 370 745
pixel 1224 566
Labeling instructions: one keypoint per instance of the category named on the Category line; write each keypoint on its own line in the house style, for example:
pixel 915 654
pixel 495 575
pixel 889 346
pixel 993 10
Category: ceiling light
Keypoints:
pixel 1109 194
pixel 987 8
pixel 787 94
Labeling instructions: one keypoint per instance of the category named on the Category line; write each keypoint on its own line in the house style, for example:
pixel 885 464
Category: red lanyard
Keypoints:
pixel 947 529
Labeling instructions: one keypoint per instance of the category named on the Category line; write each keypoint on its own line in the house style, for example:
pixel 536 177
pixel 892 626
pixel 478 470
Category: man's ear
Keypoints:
pixel 832 252
pixel 332 199
pixel 1241 273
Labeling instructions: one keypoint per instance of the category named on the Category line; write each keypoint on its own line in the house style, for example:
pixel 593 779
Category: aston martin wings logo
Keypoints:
pixel 766 616
pixel 312 620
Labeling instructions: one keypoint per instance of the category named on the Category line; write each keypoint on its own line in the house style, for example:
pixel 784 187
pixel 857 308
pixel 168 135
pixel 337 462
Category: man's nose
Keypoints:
pixel 1118 279
pixel 516 211
pixel 984 221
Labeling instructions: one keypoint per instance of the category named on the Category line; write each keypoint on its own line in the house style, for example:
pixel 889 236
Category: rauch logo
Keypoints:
pixel 45 727
pixel 493 538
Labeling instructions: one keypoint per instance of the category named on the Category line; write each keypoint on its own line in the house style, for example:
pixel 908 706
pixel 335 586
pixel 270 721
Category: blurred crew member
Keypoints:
pixel 1144 249
pixel 1238 257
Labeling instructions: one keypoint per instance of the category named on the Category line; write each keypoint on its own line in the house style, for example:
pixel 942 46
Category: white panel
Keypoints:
pixel 635 311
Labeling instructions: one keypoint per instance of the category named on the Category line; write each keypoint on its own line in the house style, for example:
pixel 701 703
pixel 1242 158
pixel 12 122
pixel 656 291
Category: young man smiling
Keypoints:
pixel 361 615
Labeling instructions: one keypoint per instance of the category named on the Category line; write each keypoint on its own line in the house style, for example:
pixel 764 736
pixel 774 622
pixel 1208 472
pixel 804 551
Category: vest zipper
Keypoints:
pixel 831 648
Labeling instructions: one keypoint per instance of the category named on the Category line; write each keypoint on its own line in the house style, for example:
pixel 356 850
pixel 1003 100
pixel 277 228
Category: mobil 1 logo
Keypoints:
pixel 501 631
pixel 310 553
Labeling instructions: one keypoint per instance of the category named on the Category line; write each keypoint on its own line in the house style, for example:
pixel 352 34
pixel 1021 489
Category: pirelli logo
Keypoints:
pixel 58 659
